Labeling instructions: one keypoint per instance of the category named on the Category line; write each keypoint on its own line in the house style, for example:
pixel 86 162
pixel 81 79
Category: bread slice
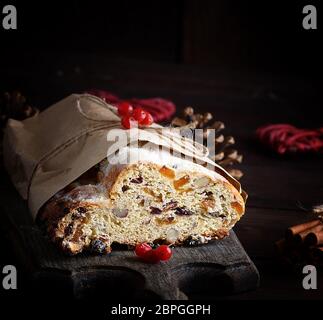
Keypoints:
pixel 167 200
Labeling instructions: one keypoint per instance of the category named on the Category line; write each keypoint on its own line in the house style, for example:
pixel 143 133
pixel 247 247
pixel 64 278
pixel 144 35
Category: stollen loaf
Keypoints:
pixel 155 198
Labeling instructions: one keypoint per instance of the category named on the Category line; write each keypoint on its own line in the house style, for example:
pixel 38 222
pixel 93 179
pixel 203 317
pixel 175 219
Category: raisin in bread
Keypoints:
pixel 153 198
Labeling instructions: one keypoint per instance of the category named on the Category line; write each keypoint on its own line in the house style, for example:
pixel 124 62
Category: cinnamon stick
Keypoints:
pixel 303 243
pixel 292 231
pixel 300 237
pixel 314 238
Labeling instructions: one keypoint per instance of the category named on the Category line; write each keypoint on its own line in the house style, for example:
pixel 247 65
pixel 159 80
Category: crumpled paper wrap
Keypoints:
pixel 45 153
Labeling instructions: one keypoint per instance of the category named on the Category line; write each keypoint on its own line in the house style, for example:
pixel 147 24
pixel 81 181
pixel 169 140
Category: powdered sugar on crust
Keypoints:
pixel 130 155
pixel 86 193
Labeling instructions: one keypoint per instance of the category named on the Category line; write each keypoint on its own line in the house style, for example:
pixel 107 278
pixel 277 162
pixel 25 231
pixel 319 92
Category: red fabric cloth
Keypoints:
pixel 161 109
pixel 285 138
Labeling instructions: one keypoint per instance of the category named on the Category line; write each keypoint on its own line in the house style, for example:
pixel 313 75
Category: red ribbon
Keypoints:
pixel 161 109
pixel 285 138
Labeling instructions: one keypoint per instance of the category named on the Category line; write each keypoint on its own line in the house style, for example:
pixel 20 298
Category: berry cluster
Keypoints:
pixel 284 138
pixel 160 109
pixel 133 117
pixel 150 255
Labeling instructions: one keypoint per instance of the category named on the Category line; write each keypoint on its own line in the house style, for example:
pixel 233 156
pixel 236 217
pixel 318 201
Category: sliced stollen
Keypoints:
pixel 142 195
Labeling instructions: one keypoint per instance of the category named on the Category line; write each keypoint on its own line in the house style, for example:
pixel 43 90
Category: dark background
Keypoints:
pixel 258 35
pixel 235 40
pixel 251 62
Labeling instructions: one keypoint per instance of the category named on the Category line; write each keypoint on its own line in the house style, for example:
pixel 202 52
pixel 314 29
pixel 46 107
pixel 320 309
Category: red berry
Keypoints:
pixel 150 257
pixel 128 122
pixel 139 114
pixel 148 120
pixel 163 252
pixel 125 108
pixel 142 249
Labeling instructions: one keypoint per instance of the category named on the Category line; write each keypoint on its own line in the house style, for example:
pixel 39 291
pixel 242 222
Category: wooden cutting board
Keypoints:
pixel 216 269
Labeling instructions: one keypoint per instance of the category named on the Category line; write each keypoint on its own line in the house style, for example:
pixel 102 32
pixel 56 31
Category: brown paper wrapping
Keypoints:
pixel 45 153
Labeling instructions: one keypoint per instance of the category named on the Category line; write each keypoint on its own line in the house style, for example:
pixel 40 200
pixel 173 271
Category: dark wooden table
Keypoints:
pixel 244 100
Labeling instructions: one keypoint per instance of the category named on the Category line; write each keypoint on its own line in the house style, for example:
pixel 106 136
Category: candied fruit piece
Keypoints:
pixel 202 182
pixel 185 190
pixel 155 210
pixel 237 206
pixel 98 246
pixel 165 220
pixel 125 188
pixel 181 181
pixel 150 192
pixel 208 203
pixel 170 205
pixel 166 172
pixel 182 211
pixel 137 180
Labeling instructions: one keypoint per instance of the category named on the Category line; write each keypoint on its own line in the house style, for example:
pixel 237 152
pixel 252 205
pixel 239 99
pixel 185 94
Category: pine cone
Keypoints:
pixel 221 151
